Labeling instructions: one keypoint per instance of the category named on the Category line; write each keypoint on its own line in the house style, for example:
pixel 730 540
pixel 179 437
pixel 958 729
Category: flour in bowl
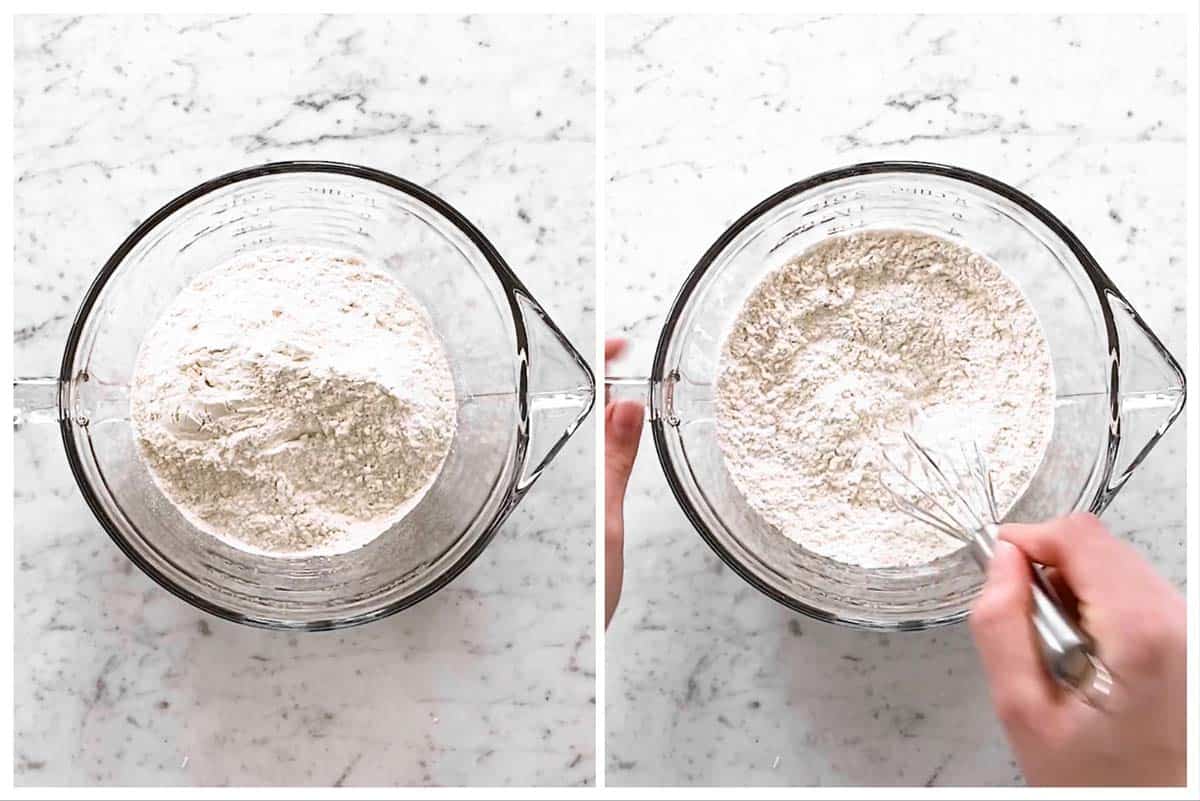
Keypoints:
pixel 293 402
pixel 860 338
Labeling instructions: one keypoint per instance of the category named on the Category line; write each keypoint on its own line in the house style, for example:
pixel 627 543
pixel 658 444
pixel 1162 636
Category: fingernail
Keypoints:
pixel 627 418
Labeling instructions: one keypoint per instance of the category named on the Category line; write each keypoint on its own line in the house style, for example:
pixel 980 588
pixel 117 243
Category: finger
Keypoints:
pixel 614 565
pixel 1079 547
pixel 1004 634
pixel 622 433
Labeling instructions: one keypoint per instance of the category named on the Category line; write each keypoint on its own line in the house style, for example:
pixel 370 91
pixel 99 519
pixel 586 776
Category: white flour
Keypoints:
pixel 293 402
pixel 860 338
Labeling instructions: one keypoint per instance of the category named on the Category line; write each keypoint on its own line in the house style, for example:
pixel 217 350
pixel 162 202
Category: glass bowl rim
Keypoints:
pixel 1101 283
pixel 511 285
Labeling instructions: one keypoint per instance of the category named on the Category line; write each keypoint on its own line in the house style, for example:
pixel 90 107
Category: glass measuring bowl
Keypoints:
pixel 522 389
pixel 1117 387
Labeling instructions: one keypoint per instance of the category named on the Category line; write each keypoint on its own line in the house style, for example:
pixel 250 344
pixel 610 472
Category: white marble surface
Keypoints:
pixel 490 681
pixel 710 682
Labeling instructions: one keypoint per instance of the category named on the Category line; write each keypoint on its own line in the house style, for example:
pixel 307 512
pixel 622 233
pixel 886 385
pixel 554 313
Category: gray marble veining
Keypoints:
pixel 491 681
pixel 710 682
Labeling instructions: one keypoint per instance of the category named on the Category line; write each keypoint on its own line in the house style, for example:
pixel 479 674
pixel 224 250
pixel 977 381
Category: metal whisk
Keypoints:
pixel 955 495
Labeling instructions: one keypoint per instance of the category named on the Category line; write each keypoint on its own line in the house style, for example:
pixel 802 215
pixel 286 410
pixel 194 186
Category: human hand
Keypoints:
pixel 1138 623
pixel 622 432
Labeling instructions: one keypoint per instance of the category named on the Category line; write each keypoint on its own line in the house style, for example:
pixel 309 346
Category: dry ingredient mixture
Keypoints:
pixel 293 402
pixel 857 340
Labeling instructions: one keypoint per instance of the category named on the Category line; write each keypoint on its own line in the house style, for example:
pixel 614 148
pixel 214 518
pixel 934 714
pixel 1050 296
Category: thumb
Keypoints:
pixel 1004 634
pixel 622 433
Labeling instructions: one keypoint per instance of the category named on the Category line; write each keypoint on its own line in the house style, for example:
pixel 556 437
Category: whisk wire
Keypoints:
pixel 978 482
pixel 955 493
pixel 954 496
pixel 911 508
pixel 989 489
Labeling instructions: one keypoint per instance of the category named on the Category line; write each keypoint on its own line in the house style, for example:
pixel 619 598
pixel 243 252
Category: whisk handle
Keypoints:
pixel 1068 651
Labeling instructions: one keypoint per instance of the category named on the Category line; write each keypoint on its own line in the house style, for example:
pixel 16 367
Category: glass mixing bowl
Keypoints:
pixel 522 389
pixel 1117 387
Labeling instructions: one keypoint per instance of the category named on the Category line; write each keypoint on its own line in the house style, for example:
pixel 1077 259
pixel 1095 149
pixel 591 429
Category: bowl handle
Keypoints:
pixel 635 388
pixel 1152 392
pixel 558 395
pixel 35 400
